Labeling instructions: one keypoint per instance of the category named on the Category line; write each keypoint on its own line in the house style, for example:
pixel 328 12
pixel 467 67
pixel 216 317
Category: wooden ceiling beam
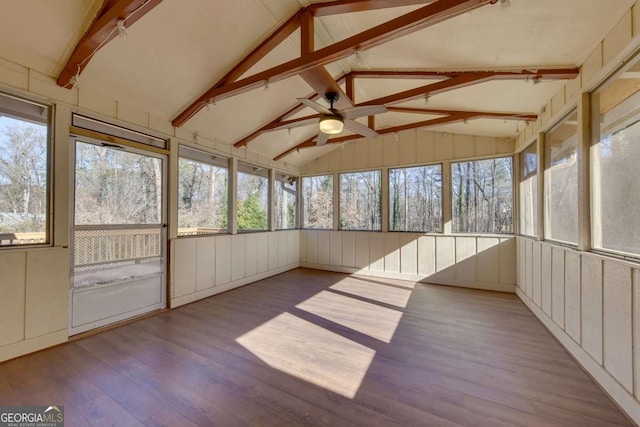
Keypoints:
pixel 460 117
pixel 434 13
pixel 102 30
pixel 348 6
pixel 284 116
pixel 485 114
pixel 468 78
pixel 533 74
pixel 262 50
pixel 454 80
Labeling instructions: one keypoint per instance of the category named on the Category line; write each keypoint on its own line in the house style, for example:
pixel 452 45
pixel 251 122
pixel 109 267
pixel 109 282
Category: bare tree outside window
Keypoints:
pixel 360 207
pixel 116 187
pixel 482 196
pixel 23 171
pixel 202 197
pixel 317 202
pixel 415 199
pixel 285 202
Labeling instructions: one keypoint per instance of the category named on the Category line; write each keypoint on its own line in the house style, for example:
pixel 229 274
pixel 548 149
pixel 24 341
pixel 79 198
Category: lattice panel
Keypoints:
pixel 109 246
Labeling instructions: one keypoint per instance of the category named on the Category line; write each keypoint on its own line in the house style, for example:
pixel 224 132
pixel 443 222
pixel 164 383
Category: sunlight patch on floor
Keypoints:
pixel 374 291
pixel 367 318
pixel 310 352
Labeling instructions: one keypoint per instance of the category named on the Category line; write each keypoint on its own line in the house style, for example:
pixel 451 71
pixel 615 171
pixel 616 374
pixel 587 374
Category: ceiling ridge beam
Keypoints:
pixel 436 12
pixel 349 6
pixel 102 30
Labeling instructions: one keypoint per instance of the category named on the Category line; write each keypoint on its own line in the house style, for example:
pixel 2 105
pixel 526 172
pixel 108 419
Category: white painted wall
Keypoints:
pixel 34 282
pixel 34 287
pixel 205 266
pixel 483 262
pixel 591 303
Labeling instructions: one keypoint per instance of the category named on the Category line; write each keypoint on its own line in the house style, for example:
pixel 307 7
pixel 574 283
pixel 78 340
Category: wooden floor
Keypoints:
pixel 318 348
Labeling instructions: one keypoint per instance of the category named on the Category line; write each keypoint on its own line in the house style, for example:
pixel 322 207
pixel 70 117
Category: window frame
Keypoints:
pixel 201 155
pixel 545 181
pixel 277 180
pixel 49 191
pixel 301 201
pixel 627 119
pixel 442 198
pixel 522 178
pixel 339 175
pixel 256 168
pixel 513 196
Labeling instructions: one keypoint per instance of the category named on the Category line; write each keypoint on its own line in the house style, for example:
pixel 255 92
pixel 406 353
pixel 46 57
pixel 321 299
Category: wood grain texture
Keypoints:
pixel 269 353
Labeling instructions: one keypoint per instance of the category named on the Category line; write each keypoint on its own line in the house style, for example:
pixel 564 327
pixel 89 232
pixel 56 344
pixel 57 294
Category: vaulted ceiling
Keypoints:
pixel 177 51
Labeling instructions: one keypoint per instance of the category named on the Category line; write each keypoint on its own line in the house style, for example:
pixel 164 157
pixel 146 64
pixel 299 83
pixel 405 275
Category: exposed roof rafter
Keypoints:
pixel 348 6
pixel 448 116
pixel 435 12
pixel 451 80
pixel 103 29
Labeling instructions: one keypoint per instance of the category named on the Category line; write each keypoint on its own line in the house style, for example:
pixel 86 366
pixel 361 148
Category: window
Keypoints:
pixel 529 191
pixel 360 207
pixel 614 161
pixel 482 193
pixel 561 181
pixel 203 193
pixel 24 171
pixel 415 199
pixel 317 202
pixel 285 201
pixel 253 198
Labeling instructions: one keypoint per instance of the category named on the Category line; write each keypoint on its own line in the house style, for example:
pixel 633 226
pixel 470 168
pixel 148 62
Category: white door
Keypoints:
pixel 118 235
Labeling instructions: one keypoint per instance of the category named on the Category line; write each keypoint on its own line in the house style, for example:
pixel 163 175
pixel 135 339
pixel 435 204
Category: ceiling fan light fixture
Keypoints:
pixel 331 125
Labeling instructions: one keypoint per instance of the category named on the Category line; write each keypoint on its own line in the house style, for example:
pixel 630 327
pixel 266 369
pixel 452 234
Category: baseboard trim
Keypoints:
pixel 205 293
pixel 487 286
pixel 625 400
pixel 21 348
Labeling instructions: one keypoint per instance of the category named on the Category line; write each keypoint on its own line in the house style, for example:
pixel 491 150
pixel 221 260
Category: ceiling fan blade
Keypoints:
pixel 367 110
pixel 315 106
pixel 322 139
pixel 360 129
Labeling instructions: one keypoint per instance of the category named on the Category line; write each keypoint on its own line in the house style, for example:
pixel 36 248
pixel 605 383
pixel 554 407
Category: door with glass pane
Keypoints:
pixel 118 236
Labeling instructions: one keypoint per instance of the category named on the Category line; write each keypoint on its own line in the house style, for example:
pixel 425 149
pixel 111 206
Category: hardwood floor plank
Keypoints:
pixel 319 348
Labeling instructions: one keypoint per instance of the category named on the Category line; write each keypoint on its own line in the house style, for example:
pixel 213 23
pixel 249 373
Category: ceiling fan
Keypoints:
pixel 332 121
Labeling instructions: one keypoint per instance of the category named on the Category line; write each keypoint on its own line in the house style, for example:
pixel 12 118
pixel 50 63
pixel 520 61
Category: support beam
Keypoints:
pixel 452 116
pixel 453 80
pixel 468 78
pixel 484 114
pixel 102 30
pixel 290 112
pixel 348 6
pixel 270 43
pixel 532 73
pixel 434 13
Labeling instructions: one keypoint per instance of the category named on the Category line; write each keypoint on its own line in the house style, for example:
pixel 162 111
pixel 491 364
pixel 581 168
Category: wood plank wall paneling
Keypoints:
pixel 595 303
pixel 485 262
pixel 34 300
pixel 205 266
pixel 410 147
